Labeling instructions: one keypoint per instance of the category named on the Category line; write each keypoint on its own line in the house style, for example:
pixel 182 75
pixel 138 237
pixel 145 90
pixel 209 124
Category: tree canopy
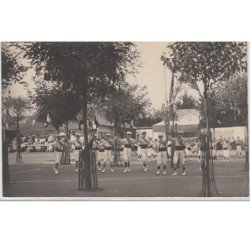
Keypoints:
pixel 186 102
pixel 61 105
pixel 208 62
pixel 17 106
pixel 229 101
pixel 12 70
pixel 126 104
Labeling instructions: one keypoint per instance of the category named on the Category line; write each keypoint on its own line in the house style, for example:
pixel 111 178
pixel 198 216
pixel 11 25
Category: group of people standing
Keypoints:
pixel 105 150
pixel 110 151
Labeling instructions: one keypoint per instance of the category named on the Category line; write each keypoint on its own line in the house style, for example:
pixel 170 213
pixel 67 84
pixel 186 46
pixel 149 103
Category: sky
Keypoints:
pixel 150 74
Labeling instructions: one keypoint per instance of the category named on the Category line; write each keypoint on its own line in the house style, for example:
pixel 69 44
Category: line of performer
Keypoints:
pixel 118 151
pixel 110 152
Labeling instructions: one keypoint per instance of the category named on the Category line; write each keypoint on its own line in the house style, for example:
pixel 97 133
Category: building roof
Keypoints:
pixel 187 121
pixel 185 117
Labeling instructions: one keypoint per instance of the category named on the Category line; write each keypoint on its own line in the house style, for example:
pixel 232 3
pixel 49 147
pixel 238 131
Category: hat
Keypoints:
pixel 160 135
pixel 128 133
pixel 108 134
pixel 144 132
pixel 62 134
pixel 78 135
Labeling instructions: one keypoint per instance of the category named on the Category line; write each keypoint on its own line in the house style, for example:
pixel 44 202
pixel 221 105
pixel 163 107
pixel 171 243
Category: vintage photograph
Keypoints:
pixel 124 120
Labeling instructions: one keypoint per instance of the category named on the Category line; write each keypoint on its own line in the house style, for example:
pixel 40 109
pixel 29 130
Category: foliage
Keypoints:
pixel 186 102
pixel 87 69
pixel 230 98
pixel 12 70
pixel 208 62
pixel 61 105
pixel 126 104
pixel 83 66
pixel 17 106
pixel 149 119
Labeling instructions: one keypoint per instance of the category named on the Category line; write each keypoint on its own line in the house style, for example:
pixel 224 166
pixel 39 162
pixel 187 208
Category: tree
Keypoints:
pixel 125 105
pixel 186 102
pixel 209 63
pixel 231 96
pixel 227 103
pixel 12 70
pixel 88 69
pixel 61 105
pixel 18 107
pixel 149 118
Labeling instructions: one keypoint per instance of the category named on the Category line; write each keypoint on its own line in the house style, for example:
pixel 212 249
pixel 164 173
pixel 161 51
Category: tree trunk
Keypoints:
pixel 5 162
pixel 87 167
pixel 207 147
pixel 208 183
pixel 66 129
pixel 116 126
pixel 18 155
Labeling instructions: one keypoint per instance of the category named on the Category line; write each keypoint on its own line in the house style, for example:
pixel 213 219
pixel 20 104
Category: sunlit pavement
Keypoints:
pixel 35 178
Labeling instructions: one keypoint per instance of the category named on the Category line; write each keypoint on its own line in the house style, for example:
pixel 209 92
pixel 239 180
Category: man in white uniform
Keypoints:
pixel 161 149
pixel 179 154
pixel 127 142
pixel 226 150
pixel 238 146
pixel 101 154
pixel 57 145
pixel 78 146
pixel 108 157
pixel 143 143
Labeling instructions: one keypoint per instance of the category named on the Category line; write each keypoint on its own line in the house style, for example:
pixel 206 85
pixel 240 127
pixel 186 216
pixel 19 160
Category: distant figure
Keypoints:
pixel 238 146
pixel 108 157
pixel 226 151
pixel 78 146
pixel 128 143
pixel 179 154
pixel 161 149
pixel 151 152
pixel 57 145
pixel 214 149
pixel 144 143
pixel 219 145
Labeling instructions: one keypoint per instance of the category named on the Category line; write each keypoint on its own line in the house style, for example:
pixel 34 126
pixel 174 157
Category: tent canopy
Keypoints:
pixel 187 121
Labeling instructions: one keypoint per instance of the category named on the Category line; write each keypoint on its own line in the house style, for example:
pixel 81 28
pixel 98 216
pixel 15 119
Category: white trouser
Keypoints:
pixel 226 153
pixel 151 152
pixel 58 156
pixel 169 149
pixel 179 155
pixel 161 158
pixel 144 154
pixel 76 154
pixel 108 157
pixel 238 149
pixel 127 154
pixel 214 152
pixel 101 156
pixel 200 153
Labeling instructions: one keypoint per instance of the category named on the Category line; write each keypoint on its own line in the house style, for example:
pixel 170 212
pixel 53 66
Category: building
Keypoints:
pixel 30 126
